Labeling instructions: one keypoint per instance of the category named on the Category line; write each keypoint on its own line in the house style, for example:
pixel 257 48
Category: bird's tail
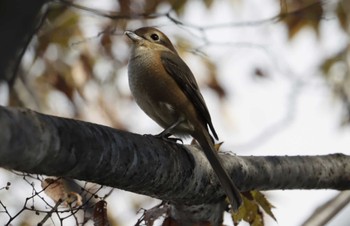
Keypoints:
pixel 227 184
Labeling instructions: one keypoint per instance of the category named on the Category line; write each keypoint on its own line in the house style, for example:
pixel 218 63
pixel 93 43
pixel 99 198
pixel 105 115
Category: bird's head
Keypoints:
pixel 150 37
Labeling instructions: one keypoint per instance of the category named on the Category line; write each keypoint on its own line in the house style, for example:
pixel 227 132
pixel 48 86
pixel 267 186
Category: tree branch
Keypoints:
pixel 37 143
pixel 328 210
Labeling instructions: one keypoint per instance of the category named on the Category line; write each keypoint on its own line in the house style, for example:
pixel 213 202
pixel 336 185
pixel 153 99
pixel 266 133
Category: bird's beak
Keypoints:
pixel 134 37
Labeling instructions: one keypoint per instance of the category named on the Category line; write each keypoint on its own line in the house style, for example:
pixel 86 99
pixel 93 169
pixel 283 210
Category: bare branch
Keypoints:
pixel 327 211
pixel 112 15
pixel 36 143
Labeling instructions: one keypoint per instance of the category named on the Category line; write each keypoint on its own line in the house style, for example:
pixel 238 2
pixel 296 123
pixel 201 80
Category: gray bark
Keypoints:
pixel 36 143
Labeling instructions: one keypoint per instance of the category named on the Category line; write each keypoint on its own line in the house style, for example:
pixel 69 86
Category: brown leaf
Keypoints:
pixel 170 222
pixel 74 199
pixel 213 82
pixel 106 42
pixel 217 146
pixel 100 214
pixel 342 11
pixel 63 26
pixel 301 14
pixel 60 83
pixel 54 188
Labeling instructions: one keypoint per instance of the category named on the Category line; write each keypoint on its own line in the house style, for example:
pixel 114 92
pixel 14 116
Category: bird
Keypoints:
pixel 165 88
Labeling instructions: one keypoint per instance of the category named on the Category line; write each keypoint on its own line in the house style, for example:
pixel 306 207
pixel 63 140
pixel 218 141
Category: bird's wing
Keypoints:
pixel 184 78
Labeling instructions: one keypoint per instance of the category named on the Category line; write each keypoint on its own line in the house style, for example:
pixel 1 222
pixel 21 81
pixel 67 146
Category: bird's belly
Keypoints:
pixel 164 113
pixel 152 94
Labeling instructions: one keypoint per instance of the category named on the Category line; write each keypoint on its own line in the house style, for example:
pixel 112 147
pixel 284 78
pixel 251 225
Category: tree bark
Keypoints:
pixel 36 143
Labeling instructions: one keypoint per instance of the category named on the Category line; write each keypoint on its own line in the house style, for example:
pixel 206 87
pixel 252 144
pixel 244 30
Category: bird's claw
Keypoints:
pixel 166 136
pixel 174 139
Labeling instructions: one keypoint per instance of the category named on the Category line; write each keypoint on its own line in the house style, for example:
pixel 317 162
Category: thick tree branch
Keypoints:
pixel 42 144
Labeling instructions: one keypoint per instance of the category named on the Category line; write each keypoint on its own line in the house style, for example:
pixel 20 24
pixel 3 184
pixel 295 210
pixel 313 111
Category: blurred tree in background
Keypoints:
pixel 71 60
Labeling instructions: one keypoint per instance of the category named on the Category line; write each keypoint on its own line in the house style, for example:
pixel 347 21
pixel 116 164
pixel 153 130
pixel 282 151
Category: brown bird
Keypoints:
pixel 166 90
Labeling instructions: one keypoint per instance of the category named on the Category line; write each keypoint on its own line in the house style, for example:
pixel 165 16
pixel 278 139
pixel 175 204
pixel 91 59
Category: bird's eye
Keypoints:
pixel 155 37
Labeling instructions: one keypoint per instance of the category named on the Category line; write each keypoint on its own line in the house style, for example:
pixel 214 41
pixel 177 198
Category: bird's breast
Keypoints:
pixel 145 76
pixel 155 91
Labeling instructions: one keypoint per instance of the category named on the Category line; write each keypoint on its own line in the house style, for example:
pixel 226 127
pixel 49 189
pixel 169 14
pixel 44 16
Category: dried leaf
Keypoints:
pixel 217 146
pixel 106 43
pixel 100 214
pixel 213 82
pixel 74 199
pixel 259 221
pixel 342 8
pixel 208 3
pixel 64 26
pixel 250 210
pixel 328 63
pixel 124 7
pixel 178 5
pixel 264 203
pixel 170 222
pixel 60 83
pixel 301 14
pixel 54 188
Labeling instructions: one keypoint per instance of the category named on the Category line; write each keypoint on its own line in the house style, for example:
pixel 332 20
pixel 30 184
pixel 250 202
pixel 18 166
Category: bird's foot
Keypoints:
pixel 163 135
pixel 166 136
